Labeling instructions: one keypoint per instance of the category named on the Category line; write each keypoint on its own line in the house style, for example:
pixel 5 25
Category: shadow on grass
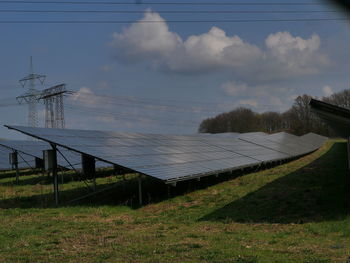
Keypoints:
pixel 12 174
pixel 65 176
pixel 118 192
pixel 319 191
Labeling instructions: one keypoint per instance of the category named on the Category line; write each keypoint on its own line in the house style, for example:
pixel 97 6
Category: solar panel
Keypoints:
pixel 338 118
pixel 314 141
pixel 278 146
pixel 24 160
pixel 29 150
pixel 292 142
pixel 174 158
pixel 4 159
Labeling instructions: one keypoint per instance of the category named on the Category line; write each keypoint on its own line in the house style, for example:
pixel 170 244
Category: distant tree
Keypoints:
pixel 239 120
pixel 271 122
pixel 299 119
pixel 300 115
pixel 341 99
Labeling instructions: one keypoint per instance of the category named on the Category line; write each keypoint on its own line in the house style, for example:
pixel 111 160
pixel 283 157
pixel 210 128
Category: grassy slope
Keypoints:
pixel 297 212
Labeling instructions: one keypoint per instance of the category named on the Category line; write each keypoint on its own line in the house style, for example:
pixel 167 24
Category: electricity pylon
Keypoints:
pixel 32 95
pixel 54 108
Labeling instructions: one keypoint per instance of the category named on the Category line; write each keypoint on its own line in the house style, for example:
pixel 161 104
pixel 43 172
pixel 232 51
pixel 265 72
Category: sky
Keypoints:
pixel 144 72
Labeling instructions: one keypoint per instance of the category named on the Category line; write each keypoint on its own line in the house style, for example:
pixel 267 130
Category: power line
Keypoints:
pixel 154 107
pixel 164 3
pixel 172 11
pixel 154 102
pixel 131 117
pixel 168 21
pixel 142 102
pixel 144 114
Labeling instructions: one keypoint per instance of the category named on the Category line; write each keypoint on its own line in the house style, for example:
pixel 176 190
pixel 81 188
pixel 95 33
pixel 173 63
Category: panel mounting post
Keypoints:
pixel 17 172
pixel 348 148
pixel 89 168
pixel 51 164
pixel 140 189
pixel 14 162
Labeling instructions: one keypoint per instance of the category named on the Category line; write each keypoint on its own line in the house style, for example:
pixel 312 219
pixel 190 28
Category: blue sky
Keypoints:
pixel 165 77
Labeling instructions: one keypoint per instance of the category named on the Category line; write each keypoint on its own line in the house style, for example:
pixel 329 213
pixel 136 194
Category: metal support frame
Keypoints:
pixel 24 160
pixel 168 191
pixel 89 168
pixel 140 189
pixel 348 148
pixel 54 173
pixel 15 164
pixel 73 168
pixel 13 160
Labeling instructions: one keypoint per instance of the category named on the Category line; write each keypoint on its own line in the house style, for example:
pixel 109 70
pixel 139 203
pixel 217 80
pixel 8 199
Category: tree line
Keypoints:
pixel 297 120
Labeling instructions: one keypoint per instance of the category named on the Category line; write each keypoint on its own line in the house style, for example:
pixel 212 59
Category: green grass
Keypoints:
pixel 297 212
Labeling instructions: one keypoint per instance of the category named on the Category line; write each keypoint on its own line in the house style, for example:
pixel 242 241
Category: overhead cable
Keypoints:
pixel 169 21
pixel 164 3
pixel 171 11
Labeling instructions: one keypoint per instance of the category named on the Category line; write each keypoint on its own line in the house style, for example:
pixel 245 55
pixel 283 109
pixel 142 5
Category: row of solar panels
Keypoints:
pixel 29 151
pixel 24 161
pixel 173 158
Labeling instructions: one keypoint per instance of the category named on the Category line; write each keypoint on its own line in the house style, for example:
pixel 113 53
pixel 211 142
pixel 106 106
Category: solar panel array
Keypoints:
pixel 4 159
pixel 24 160
pixel 29 150
pixel 338 118
pixel 174 158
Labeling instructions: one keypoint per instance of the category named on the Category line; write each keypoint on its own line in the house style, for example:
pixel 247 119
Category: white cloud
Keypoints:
pixel 296 55
pixel 103 85
pixel 327 90
pixel 85 96
pixel 260 97
pixel 249 102
pixel 284 55
pixel 106 68
pixel 292 97
pixel 146 40
pixel 233 88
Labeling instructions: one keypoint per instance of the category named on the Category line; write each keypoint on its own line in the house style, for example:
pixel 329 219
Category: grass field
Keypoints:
pixel 296 212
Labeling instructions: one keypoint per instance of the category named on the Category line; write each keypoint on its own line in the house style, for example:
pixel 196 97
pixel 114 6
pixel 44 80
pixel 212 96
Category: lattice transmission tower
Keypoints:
pixel 32 95
pixel 54 108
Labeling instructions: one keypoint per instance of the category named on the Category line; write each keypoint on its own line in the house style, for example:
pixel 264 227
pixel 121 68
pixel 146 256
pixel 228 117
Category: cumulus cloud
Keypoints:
pixel 146 40
pixel 260 97
pixel 295 54
pixel 327 90
pixel 85 96
pixel 233 88
pixel 103 85
pixel 249 102
pixel 284 55
pixel 106 68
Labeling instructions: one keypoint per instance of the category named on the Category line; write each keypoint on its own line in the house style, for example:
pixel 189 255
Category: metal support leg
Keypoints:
pixel 17 173
pixel 189 189
pixel 17 170
pixel 14 163
pixel 54 174
pixel 348 147
pixel 169 194
pixel 140 190
pixel 94 182
pixel 55 187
